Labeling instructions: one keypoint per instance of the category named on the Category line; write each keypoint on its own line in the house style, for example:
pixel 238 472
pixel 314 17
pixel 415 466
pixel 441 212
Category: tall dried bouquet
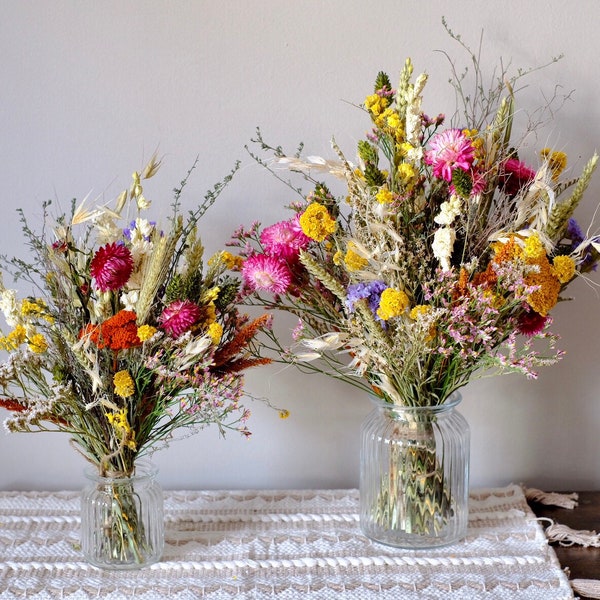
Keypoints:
pixel 124 335
pixel 441 260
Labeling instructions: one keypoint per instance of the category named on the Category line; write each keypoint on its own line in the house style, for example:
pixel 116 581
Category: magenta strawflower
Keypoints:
pixel 263 272
pixel 450 150
pixel 179 317
pixel 514 176
pixel 111 267
pixel 284 239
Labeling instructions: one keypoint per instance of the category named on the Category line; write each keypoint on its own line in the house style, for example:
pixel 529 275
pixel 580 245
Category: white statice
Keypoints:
pixel 449 210
pixel 443 243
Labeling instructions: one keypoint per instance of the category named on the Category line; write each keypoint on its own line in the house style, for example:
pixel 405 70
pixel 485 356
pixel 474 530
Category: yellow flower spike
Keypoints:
pixel 38 344
pixel 215 332
pixel 123 383
pixel 393 303
pixel 564 267
pixel 376 104
pixel 316 222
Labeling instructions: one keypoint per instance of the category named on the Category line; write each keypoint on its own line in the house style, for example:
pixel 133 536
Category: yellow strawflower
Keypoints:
pixel 123 383
pixel 406 172
pixel 353 260
pixel 215 332
pixel 392 304
pixel 419 310
pixel 316 222
pixel 14 339
pixel 145 332
pixel 384 196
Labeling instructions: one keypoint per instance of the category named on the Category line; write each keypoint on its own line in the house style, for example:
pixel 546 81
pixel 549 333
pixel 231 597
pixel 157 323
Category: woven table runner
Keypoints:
pixel 285 544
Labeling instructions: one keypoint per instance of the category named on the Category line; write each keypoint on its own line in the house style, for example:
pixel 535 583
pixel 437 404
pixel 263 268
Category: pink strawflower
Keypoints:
pixel 111 267
pixel 515 175
pixel 450 150
pixel 263 272
pixel 179 317
pixel 284 239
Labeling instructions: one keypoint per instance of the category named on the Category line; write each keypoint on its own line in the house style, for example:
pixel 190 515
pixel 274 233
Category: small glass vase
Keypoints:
pixel 414 477
pixel 122 520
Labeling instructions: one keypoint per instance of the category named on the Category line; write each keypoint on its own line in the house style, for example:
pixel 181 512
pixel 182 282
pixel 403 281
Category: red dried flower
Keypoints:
pixel 111 266
pixel 117 333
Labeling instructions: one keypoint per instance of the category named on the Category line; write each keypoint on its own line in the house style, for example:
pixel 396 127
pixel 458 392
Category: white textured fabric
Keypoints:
pixel 285 544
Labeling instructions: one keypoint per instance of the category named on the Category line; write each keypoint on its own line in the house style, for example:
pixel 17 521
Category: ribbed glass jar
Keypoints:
pixel 122 519
pixel 414 477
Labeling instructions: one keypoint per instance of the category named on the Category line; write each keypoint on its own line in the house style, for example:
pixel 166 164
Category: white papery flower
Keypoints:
pixel 10 307
pixel 413 111
pixel 443 243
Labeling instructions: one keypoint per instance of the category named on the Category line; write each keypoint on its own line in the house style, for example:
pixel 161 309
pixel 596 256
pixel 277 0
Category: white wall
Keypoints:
pixel 91 89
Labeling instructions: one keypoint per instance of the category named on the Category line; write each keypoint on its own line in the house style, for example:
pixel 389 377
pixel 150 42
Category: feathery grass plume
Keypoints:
pixel 563 211
pixel 321 275
pixel 156 271
pixel 223 357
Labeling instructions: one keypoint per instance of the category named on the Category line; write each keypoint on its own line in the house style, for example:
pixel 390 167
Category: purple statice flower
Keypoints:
pixel 574 232
pixel 370 290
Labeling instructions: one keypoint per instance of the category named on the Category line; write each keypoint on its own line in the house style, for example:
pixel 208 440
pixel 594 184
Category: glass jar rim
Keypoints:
pixel 452 401
pixel 143 469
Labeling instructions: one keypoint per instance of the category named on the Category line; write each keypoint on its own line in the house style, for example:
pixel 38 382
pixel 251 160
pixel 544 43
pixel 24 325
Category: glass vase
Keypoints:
pixel 414 478
pixel 122 520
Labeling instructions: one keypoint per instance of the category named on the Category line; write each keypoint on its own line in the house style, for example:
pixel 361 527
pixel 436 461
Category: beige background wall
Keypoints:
pixel 90 89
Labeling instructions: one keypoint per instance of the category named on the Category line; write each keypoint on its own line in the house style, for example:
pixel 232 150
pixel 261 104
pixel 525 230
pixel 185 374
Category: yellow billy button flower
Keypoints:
pixel 215 332
pixel 353 260
pixel 37 343
pixel 284 413
pixel 564 267
pixel 392 304
pixel 316 222
pixel 557 161
pixel 145 332
pixel 123 383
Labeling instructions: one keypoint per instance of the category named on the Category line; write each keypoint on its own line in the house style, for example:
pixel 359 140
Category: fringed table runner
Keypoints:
pixel 285 544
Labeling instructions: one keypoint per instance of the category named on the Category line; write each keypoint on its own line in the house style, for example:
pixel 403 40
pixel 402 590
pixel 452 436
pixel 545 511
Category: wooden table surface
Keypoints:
pixel 582 563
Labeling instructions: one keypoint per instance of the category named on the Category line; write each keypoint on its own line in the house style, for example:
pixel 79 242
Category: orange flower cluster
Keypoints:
pixel 117 333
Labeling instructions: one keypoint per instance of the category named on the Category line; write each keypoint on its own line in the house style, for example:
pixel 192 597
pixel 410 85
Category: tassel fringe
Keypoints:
pixel 565 536
pixel 590 588
pixel 552 498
